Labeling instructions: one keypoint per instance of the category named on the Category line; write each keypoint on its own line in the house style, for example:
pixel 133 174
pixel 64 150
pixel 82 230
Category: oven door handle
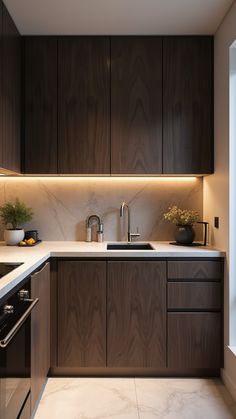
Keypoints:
pixel 4 342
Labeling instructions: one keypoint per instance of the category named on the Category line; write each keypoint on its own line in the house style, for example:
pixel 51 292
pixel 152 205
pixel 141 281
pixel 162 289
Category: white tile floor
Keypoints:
pixel 139 398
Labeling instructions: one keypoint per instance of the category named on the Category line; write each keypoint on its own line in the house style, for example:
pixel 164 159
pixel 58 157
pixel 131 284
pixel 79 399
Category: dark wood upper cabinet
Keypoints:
pixel 136 105
pixel 187 105
pixel 81 314
pixel 10 107
pixel 84 105
pixel 40 119
pixel 1 96
pixel 40 332
pixel 136 314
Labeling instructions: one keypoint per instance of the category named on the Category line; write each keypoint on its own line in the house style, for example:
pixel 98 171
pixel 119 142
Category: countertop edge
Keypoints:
pixel 32 258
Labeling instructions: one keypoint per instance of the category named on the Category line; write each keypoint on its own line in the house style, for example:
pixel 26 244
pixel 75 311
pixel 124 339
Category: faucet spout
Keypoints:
pixel 91 219
pixel 129 234
pixel 122 208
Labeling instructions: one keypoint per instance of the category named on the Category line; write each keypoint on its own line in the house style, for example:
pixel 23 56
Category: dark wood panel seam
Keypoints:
pixel 222 324
pixel 22 133
pixel 57 105
pixel 162 103
pixel 1 84
pixel 106 312
pixel 167 341
pixel 212 107
pixel 110 99
pixel 57 326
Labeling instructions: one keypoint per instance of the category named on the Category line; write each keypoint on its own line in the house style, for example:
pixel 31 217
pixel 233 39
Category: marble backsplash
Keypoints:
pixel 61 205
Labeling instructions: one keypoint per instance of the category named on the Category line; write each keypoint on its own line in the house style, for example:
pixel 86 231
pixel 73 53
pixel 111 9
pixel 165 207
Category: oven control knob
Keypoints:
pixel 23 294
pixel 8 309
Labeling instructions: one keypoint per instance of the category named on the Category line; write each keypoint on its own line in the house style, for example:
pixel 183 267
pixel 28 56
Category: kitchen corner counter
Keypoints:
pixel 33 257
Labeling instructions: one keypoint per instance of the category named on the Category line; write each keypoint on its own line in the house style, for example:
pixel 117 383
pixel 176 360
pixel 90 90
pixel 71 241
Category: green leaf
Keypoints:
pixel 15 213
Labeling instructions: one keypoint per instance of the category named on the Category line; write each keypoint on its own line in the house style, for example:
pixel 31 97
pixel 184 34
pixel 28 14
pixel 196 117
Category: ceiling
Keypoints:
pixel 97 17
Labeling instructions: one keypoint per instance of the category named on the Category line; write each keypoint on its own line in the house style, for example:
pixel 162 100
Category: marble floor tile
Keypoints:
pixel 183 399
pixel 140 398
pixel 88 398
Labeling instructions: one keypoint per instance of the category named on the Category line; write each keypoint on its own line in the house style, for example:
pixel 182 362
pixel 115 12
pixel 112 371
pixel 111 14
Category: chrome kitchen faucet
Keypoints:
pixel 129 234
pixel 92 219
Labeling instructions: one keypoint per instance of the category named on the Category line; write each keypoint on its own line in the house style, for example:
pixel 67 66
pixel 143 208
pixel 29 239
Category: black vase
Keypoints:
pixel 184 234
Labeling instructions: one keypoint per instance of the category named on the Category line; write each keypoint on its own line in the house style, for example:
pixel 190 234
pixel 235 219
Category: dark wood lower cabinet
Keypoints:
pixel 136 315
pixel 82 314
pixel 194 296
pixel 204 270
pixel 194 322
pixel 40 332
pixel 194 340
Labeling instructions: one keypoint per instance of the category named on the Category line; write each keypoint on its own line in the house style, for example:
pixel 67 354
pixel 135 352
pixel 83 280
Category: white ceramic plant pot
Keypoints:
pixel 13 237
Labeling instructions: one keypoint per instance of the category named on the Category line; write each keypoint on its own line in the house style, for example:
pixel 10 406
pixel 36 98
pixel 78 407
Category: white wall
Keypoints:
pixel 216 187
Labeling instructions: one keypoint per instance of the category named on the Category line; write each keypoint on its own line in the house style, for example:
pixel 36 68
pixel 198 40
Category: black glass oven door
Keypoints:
pixel 15 373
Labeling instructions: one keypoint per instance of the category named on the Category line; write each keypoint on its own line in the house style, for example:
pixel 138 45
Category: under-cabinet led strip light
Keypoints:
pixel 100 178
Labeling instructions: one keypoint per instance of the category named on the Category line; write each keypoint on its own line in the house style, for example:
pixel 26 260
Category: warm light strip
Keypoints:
pixel 101 178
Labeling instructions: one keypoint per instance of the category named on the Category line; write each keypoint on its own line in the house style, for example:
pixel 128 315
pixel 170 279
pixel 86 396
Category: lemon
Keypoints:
pixel 30 241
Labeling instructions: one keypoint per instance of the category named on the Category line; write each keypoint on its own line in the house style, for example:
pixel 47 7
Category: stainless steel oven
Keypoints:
pixel 15 352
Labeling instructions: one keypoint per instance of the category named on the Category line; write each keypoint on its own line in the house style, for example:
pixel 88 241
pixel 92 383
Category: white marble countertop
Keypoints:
pixel 33 257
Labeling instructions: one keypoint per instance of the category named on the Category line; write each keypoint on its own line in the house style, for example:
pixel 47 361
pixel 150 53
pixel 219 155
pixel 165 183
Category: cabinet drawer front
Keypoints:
pixel 209 270
pixel 194 295
pixel 194 340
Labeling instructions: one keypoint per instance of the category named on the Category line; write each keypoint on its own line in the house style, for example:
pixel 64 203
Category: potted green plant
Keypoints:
pixel 16 214
pixel 184 220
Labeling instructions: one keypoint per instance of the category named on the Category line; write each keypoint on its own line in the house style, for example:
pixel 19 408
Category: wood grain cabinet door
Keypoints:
pixel 40 119
pixel 81 314
pixel 1 96
pixel 136 314
pixel 11 94
pixel 40 332
pixel 84 105
pixel 187 105
pixel 194 340
pixel 136 105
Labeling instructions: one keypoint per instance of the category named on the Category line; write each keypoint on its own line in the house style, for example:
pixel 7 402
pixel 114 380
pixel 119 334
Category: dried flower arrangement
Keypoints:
pixel 181 216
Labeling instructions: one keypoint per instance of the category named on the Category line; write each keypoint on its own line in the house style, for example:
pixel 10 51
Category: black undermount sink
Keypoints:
pixel 129 246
